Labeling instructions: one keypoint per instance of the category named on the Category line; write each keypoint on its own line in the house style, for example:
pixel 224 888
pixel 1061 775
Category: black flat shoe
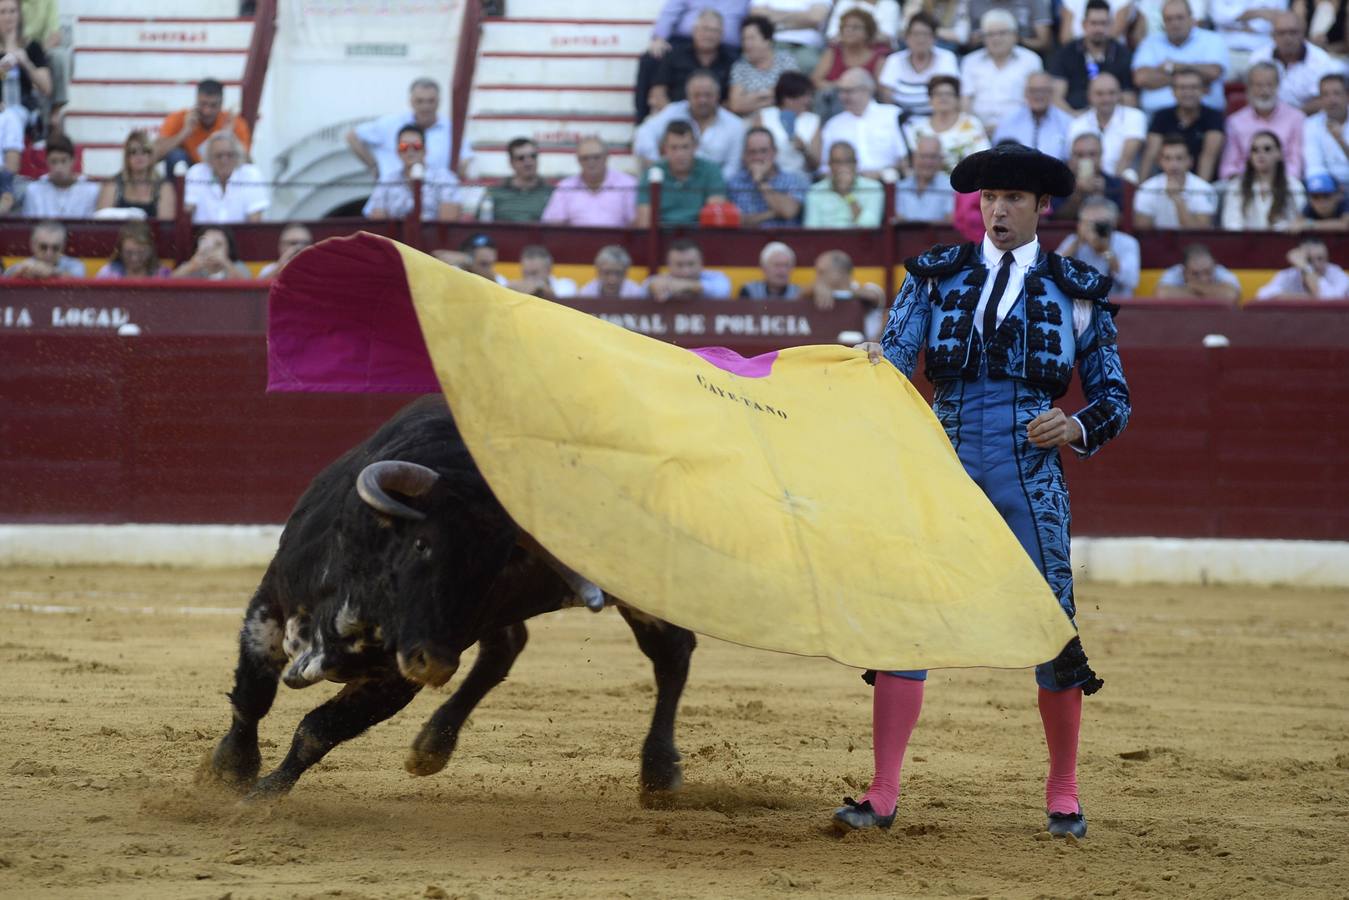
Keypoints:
pixel 853 815
pixel 1064 824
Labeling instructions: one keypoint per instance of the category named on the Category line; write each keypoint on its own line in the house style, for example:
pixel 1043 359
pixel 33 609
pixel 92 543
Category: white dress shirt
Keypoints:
pixel 997 90
pixel 1126 123
pixel 244 194
pixel 874 135
pixel 1023 258
pixel 381 137
pixel 1321 153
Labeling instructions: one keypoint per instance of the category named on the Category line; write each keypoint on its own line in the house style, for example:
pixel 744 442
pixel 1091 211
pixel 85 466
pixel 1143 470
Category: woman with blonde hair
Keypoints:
pixel 1264 196
pixel 138 185
pixel 135 255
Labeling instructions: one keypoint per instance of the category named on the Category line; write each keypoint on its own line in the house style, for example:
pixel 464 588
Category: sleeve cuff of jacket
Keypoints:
pixel 1080 447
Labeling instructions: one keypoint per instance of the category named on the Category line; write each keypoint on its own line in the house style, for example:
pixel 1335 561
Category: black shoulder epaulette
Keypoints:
pixel 942 259
pixel 1081 281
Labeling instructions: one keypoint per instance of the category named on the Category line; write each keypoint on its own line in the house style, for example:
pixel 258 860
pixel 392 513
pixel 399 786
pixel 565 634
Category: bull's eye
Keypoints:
pixel 421 545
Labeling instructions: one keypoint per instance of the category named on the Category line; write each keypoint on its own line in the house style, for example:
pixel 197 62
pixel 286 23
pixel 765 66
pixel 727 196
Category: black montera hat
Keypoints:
pixel 1013 167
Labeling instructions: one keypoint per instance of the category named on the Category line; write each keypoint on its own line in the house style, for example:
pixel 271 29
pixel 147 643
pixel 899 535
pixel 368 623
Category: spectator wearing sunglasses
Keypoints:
pixel 524 195
pixel 47 242
pixel 138 185
pixel 392 197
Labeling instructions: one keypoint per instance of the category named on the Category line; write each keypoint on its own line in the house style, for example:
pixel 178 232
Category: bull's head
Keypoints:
pixel 424 556
pixel 333 643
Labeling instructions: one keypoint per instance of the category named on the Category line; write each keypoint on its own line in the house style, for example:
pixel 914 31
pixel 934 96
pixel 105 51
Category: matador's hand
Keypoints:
pixel 1053 429
pixel 874 352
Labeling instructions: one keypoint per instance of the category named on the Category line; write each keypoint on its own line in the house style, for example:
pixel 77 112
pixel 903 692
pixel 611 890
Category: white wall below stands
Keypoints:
pixel 1306 564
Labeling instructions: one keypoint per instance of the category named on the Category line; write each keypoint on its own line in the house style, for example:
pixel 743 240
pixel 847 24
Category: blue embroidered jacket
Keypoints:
pixel 1035 343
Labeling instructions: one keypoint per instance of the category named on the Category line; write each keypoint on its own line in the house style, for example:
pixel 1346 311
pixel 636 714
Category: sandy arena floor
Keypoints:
pixel 1215 764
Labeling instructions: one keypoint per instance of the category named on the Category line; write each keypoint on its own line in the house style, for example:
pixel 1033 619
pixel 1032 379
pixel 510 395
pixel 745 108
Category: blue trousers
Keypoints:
pixel 986 421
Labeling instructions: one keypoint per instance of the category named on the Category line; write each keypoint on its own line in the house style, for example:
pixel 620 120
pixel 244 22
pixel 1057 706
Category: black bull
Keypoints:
pixel 395 560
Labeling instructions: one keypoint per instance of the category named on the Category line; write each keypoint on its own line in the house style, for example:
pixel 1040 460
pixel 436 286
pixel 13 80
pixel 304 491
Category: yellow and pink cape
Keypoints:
pixel 806 501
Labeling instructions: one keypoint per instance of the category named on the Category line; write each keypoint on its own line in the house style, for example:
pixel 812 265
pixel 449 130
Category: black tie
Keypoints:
pixel 999 286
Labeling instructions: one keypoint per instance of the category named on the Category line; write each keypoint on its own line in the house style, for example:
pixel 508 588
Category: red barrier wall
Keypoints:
pixel 1248 440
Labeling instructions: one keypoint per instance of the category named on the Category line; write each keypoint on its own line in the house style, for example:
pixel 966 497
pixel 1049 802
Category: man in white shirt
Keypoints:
pixel 1325 142
pixel 1099 243
pixel 871 128
pixel 1038 123
pixel 993 80
pixel 1312 274
pixel 375 143
pixel 1122 129
pixel 223 189
pixel 1198 277
pixel 1177 198
pixel 60 194
pixel 537 278
pixel 1301 63
pixel 720 133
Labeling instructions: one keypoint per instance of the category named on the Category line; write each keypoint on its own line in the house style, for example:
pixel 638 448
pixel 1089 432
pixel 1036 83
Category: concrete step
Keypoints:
pixel 550 129
pixel 554 162
pixel 102 161
pixel 544 98
pixel 149 96
pixel 607 71
pixel 206 9
pixel 127 63
pixel 163 34
pixel 108 127
pixel 576 37
pixel 637 10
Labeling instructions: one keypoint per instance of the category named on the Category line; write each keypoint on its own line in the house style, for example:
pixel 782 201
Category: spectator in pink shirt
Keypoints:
pixel 600 197
pixel 1264 111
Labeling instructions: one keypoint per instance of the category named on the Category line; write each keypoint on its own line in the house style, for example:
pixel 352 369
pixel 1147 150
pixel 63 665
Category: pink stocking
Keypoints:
pixel 895 707
pixel 1061 712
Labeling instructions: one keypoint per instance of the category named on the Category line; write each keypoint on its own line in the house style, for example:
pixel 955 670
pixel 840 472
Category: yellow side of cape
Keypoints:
pixel 819 510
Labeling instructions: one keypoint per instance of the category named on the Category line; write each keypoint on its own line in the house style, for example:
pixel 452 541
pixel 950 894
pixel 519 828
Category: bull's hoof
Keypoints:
pixel 431 751
pixel 661 772
pixel 233 765
pixel 269 790
pixel 421 763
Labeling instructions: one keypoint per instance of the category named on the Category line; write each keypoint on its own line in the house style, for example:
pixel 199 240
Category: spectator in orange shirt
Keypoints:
pixel 182 133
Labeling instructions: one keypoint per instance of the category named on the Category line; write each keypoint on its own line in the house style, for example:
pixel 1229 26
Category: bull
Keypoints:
pixel 395 560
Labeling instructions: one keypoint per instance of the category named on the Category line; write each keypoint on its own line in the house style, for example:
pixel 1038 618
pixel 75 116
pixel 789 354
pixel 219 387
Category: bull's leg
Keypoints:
pixel 669 649
pixel 236 759
pixel 497 652
pixel 351 711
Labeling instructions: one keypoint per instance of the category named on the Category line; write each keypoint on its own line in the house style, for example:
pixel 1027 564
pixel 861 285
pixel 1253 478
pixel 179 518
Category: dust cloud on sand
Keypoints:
pixel 1214 764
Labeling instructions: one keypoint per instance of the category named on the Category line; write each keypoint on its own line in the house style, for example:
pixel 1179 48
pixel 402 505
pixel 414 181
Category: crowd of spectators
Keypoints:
pixel 1229 114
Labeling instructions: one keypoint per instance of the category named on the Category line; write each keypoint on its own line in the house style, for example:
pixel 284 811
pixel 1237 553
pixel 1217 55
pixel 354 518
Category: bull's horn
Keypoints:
pixel 378 478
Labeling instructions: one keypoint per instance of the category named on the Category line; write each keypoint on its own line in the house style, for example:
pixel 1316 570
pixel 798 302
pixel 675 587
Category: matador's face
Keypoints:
pixel 1011 216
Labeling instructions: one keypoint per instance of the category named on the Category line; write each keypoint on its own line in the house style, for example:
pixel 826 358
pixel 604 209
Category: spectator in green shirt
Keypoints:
pixel 689 182
pixel 844 199
pixel 523 196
